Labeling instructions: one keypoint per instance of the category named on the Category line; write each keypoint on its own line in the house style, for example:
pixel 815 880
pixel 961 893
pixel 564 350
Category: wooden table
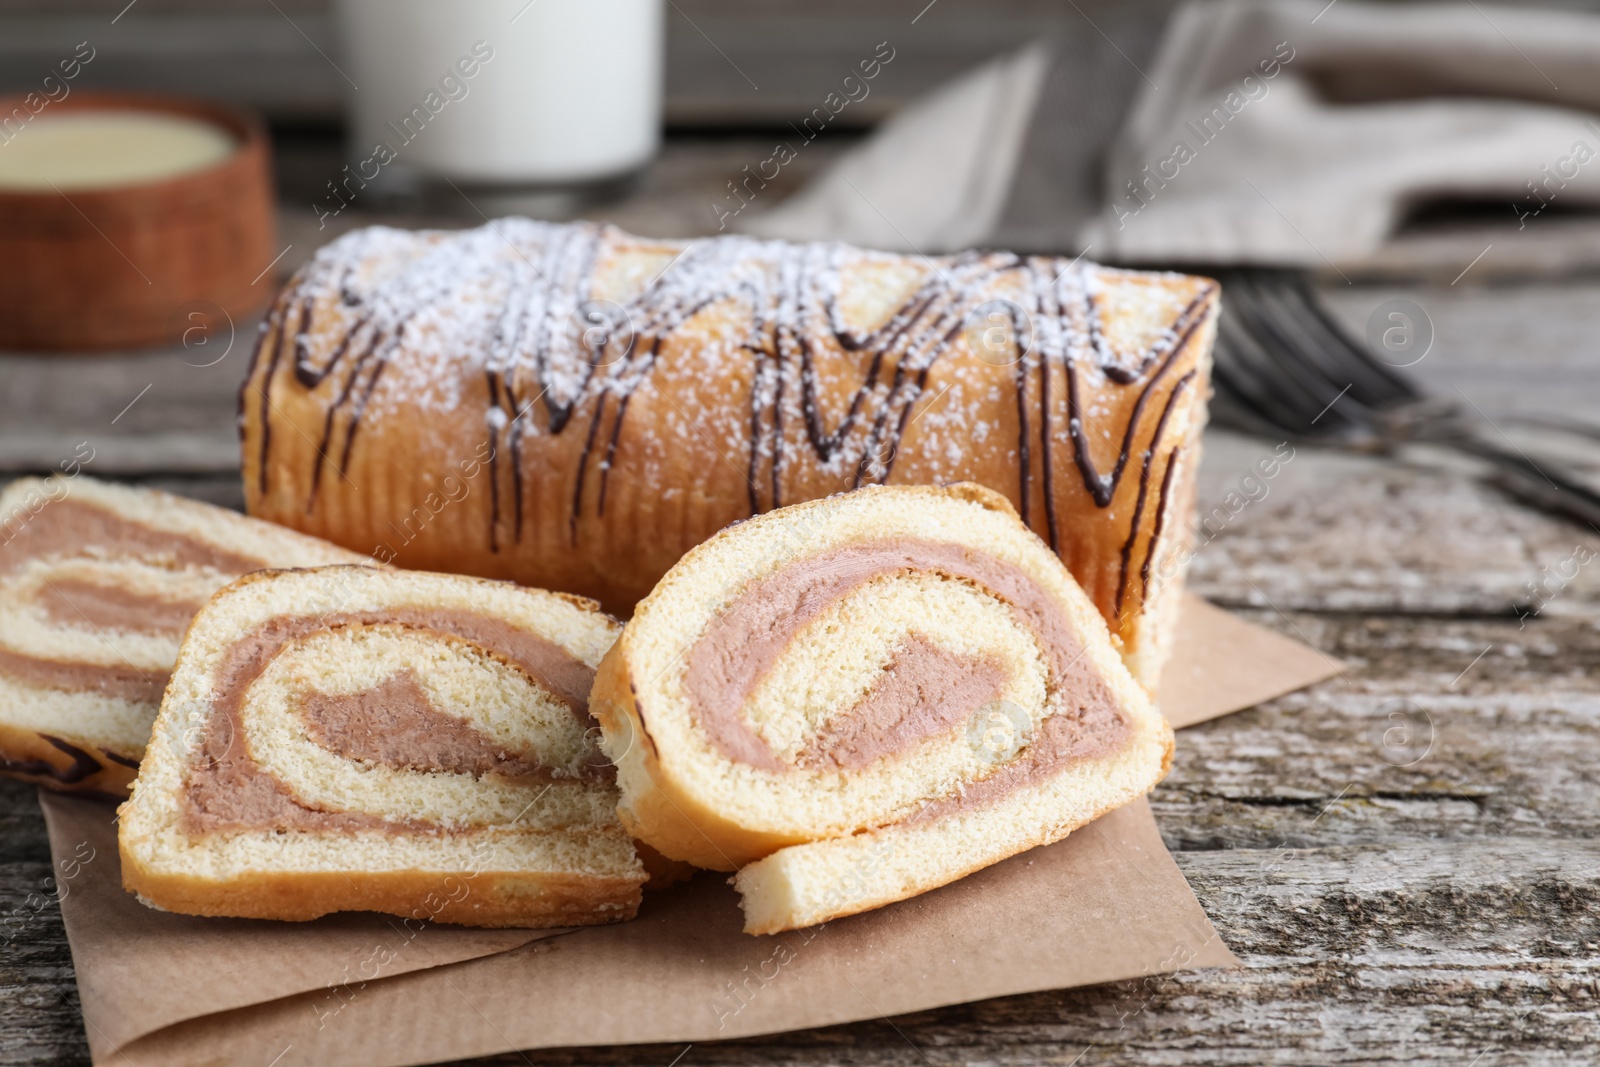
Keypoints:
pixel 1404 857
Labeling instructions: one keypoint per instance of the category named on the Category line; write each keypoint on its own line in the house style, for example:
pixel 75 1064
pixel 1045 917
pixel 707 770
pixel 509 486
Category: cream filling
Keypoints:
pixel 495 698
pixel 831 666
pixel 950 756
pixel 37 620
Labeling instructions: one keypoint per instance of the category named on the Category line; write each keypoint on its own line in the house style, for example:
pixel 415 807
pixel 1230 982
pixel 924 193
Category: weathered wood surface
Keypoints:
pixel 1415 889
pixel 1405 857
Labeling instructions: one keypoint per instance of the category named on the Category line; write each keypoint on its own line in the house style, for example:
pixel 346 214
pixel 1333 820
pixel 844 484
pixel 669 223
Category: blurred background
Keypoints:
pixel 1432 300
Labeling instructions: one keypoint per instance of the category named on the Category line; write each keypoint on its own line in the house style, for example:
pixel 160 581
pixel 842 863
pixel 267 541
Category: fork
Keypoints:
pixel 1285 368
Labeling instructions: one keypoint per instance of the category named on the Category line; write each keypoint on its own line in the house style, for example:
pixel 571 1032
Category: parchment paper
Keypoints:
pixel 1221 664
pixel 1105 904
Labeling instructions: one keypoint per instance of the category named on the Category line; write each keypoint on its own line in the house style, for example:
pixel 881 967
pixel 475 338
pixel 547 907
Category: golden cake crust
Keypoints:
pixel 429 398
pixel 495 900
pixel 68 765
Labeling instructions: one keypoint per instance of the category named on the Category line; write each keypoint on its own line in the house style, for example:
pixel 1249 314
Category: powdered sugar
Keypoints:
pixel 845 356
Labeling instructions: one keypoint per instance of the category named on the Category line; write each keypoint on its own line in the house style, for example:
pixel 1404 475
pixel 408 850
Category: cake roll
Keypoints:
pixel 97 584
pixel 351 738
pixel 858 699
pixel 575 408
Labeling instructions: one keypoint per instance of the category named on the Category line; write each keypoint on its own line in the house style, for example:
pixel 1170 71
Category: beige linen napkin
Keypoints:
pixel 1282 132
pixel 1300 133
pixel 933 177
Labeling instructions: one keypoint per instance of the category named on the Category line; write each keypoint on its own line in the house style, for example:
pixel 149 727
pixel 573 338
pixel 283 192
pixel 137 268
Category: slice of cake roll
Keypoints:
pixel 97 584
pixel 856 700
pixel 349 738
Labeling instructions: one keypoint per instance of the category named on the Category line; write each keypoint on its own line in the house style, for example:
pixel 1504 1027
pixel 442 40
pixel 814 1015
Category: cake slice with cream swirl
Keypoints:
pixel 858 699
pixel 349 738
pixel 97 584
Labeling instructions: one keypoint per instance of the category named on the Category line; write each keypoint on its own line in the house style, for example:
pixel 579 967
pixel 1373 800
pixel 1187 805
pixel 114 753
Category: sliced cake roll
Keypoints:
pixel 349 738
pixel 858 699
pixel 570 406
pixel 97 584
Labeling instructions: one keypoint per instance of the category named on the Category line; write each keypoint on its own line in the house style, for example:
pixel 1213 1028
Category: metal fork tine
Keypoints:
pixel 1303 343
pixel 1290 391
pixel 1244 367
pixel 1281 360
pixel 1380 384
pixel 1575 427
pixel 1227 409
pixel 1304 348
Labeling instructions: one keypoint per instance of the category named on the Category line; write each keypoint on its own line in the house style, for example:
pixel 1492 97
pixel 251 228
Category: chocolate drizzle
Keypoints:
pixel 1144 489
pixel 1163 356
pixel 125 761
pixel 533 281
pixel 1161 518
pixel 83 765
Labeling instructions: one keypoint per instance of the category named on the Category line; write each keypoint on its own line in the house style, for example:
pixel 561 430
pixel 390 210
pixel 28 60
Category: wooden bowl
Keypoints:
pixel 126 266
